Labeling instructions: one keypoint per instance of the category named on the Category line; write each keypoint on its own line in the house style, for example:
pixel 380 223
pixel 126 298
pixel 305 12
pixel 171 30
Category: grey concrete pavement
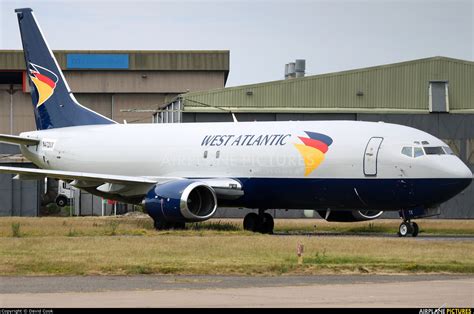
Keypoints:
pixel 227 291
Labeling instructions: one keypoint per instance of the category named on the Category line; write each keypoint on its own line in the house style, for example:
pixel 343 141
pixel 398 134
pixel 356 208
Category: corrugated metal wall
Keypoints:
pixel 399 87
pixel 17 198
pixel 125 81
pixel 202 60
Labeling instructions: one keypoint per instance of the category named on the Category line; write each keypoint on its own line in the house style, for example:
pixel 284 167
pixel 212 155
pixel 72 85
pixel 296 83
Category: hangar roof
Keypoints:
pixel 399 87
pixel 161 60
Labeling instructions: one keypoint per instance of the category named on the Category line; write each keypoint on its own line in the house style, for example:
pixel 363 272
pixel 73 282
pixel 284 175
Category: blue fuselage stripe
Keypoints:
pixel 382 194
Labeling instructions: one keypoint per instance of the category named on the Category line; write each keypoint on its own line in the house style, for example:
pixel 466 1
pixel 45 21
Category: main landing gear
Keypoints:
pixel 407 227
pixel 263 222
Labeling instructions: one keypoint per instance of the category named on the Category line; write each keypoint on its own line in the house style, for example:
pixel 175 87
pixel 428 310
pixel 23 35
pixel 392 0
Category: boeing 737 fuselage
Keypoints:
pixel 346 170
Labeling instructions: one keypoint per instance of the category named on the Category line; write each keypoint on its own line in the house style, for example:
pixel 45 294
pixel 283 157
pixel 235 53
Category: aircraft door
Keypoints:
pixel 370 156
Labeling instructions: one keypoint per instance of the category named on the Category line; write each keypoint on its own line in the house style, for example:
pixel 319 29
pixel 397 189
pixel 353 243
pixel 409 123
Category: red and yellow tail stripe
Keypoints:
pixel 44 81
pixel 313 150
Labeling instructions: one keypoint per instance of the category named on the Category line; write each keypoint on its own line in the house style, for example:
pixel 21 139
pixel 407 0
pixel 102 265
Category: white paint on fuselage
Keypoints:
pixel 176 150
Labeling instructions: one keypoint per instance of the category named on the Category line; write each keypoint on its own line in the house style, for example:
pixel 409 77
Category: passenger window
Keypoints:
pixel 418 152
pixel 205 154
pixel 438 150
pixel 408 151
pixel 218 153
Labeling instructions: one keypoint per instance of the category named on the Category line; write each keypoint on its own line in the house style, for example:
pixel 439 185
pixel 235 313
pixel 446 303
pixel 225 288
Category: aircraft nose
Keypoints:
pixel 461 171
pixel 461 174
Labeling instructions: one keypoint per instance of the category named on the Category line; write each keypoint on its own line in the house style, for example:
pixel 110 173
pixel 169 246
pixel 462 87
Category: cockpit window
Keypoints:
pixel 408 151
pixel 437 150
pixel 448 150
pixel 418 152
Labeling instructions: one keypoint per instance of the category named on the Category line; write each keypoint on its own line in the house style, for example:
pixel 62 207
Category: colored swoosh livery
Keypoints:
pixel 313 150
pixel 44 81
pixel 345 170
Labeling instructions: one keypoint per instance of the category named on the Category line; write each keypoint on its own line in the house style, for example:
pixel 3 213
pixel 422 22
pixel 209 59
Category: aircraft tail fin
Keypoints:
pixel 54 104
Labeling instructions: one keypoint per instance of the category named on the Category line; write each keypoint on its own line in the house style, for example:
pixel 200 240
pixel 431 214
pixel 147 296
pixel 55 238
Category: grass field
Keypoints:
pixel 118 245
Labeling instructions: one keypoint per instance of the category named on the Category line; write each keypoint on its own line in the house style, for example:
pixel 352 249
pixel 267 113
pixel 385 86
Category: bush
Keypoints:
pixel 72 233
pixel 112 226
pixel 50 209
pixel 16 230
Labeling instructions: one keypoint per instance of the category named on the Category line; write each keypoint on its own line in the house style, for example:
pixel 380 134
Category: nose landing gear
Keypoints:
pixel 407 227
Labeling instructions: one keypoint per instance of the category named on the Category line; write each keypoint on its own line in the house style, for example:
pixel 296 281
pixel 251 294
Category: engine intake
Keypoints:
pixel 181 201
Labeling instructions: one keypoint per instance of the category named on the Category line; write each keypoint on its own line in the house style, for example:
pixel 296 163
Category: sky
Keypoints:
pixel 262 36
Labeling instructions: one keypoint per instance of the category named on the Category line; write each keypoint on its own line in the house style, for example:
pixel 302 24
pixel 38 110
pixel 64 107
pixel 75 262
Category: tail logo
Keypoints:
pixel 313 150
pixel 45 82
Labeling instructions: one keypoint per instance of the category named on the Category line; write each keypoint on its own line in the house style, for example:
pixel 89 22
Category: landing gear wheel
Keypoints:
pixel 404 229
pixel 267 224
pixel 61 201
pixel 251 222
pixel 415 229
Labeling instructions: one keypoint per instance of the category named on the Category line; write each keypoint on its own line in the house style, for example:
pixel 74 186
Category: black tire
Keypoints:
pixel 416 229
pixel 267 224
pixel 61 201
pixel 251 222
pixel 404 229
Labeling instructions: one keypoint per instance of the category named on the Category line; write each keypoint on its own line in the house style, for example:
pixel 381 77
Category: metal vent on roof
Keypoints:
pixel 295 69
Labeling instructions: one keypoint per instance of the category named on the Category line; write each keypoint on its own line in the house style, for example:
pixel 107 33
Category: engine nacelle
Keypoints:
pixel 181 201
pixel 350 216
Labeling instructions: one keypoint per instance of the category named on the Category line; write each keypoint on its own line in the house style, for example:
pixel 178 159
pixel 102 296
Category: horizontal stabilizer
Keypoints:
pixel 18 140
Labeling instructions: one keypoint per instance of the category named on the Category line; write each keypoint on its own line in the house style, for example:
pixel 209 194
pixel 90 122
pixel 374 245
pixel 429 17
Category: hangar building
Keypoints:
pixel 122 85
pixel 433 94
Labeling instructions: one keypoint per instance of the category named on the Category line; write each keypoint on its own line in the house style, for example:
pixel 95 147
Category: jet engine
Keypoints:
pixel 350 216
pixel 181 201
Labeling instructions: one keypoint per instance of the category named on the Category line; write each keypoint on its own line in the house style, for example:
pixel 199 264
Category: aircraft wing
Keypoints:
pixel 226 188
pixel 80 176
pixel 18 140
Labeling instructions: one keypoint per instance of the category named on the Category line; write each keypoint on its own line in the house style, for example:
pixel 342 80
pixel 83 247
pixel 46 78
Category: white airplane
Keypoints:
pixel 346 170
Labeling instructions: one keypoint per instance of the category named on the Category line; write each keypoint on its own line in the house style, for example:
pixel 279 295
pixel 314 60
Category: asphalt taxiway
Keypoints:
pixel 239 291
